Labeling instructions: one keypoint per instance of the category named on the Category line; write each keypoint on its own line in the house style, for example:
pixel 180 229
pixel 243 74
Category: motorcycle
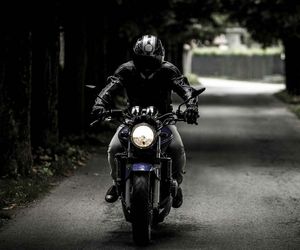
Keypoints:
pixel 144 170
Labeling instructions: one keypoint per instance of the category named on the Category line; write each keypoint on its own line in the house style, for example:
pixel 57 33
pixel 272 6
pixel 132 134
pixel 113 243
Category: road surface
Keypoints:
pixel 241 190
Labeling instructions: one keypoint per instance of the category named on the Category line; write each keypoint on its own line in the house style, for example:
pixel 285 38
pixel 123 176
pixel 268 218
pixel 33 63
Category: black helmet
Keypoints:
pixel 148 53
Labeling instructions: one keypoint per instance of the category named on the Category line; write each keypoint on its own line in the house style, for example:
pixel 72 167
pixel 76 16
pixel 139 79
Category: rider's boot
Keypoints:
pixel 111 194
pixel 178 199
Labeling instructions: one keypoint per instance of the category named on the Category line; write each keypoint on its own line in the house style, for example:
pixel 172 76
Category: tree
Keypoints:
pixel 40 100
pixel 15 100
pixel 269 21
pixel 45 76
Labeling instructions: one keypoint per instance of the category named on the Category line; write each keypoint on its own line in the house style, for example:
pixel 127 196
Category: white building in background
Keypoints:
pixel 235 38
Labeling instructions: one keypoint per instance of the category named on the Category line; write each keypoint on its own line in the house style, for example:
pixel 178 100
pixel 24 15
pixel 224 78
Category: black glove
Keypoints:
pixel 191 114
pixel 97 111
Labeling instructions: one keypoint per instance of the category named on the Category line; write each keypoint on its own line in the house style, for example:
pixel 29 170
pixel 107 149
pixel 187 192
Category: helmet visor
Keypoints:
pixel 147 63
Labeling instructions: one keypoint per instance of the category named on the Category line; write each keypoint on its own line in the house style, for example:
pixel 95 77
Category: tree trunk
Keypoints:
pixel 15 96
pixel 95 61
pixel 292 70
pixel 72 92
pixel 45 84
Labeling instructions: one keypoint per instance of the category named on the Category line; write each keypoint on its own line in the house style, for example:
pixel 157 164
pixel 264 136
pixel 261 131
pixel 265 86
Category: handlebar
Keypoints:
pixel 172 116
pixel 175 116
pixel 109 113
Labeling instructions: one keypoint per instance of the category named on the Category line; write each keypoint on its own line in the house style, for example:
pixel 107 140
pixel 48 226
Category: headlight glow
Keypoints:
pixel 142 135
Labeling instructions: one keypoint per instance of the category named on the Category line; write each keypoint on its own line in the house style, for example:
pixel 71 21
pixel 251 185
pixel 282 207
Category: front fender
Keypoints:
pixel 144 167
pixel 139 167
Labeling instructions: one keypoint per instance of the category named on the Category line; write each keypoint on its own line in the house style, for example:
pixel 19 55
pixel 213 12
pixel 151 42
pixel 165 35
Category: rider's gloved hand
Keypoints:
pixel 191 114
pixel 98 111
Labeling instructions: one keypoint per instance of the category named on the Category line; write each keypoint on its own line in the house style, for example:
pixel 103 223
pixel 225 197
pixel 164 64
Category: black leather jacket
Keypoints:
pixel 153 90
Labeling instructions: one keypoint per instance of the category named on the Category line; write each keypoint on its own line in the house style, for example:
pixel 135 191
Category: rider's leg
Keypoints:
pixel 113 148
pixel 177 152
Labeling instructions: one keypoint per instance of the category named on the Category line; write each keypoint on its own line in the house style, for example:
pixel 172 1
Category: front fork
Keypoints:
pixel 156 170
pixel 124 169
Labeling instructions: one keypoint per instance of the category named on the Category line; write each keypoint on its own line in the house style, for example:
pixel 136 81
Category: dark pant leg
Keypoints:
pixel 114 147
pixel 177 152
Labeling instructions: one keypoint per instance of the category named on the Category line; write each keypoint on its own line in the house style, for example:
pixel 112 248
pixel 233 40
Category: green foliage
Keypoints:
pixel 16 192
pixel 60 160
pixel 237 52
pixel 288 98
pixel 295 109
pixel 175 20
pixel 293 101
pixel 193 79
pixel 267 20
pixel 50 166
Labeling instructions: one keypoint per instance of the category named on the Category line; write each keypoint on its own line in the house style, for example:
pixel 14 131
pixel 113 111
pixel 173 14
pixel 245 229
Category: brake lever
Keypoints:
pixel 94 122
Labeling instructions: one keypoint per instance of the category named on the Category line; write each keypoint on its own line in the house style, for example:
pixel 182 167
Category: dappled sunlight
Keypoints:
pixel 216 86
pixel 240 112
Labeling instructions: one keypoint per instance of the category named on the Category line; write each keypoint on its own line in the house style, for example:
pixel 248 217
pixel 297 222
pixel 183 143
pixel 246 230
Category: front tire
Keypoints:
pixel 141 212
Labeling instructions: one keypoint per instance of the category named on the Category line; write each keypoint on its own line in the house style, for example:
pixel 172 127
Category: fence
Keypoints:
pixel 245 67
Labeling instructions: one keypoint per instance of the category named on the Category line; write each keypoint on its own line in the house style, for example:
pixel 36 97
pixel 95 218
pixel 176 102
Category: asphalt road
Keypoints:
pixel 241 190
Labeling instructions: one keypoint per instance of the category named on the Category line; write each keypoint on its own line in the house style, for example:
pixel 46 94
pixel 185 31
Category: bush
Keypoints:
pixel 193 79
pixel 209 51
pixel 293 101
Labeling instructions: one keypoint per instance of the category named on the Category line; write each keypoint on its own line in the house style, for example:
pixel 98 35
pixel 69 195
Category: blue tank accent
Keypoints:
pixel 166 137
pixel 124 132
pixel 124 135
pixel 146 167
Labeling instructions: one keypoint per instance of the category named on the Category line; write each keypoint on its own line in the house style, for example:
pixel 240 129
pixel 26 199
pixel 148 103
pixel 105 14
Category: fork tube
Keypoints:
pixel 158 148
pixel 129 149
pixel 169 168
pixel 127 193
pixel 119 165
pixel 156 188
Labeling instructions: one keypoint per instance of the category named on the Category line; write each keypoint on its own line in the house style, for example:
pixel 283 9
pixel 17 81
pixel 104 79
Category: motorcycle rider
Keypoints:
pixel 149 81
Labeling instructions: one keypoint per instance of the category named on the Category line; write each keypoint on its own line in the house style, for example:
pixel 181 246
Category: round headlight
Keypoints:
pixel 142 135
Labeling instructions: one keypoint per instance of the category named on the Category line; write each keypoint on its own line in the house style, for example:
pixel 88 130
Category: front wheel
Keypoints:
pixel 141 212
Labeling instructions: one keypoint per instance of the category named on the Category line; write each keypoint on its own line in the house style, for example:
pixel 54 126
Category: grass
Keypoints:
pixel 51 166
pixel 20 191
pixel 293 101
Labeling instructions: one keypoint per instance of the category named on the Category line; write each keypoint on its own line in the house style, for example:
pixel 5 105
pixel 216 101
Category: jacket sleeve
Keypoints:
pixel 114 83
pixel 182 87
